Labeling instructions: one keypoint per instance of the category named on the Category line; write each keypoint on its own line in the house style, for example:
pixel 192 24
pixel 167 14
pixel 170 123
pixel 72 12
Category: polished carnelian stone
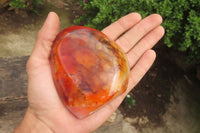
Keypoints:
pixel 88 69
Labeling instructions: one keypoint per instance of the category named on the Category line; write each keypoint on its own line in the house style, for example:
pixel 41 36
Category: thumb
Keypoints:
pixel 44 41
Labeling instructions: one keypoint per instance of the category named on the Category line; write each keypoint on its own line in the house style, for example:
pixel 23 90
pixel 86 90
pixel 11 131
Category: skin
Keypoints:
pixel 46 113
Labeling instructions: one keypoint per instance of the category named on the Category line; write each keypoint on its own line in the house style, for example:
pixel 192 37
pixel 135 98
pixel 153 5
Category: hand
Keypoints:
pixel 46 113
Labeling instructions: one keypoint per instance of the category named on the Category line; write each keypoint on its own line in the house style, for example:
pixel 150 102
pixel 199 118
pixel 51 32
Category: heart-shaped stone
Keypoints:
pixel 88 69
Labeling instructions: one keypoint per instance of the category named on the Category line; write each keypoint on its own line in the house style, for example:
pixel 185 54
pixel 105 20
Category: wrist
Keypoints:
pixel 31 124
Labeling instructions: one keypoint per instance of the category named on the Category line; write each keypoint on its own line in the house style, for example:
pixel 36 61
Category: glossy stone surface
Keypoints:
pixel 88 69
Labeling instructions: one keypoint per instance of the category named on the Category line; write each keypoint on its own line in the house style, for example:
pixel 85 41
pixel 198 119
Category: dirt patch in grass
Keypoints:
pixel 10 21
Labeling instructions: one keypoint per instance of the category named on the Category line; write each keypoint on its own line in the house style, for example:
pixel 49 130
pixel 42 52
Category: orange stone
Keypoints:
pixel 88 69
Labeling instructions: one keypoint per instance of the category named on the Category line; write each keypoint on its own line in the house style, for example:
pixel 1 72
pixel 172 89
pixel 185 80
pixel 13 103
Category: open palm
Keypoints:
pixel 44 103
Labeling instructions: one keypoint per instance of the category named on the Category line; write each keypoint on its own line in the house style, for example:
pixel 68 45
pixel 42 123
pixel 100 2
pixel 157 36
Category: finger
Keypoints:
pixel 45 37
pixel 95 120
pixel 128 40
pixel 114 30
pixel 146 43
pixel 141 67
